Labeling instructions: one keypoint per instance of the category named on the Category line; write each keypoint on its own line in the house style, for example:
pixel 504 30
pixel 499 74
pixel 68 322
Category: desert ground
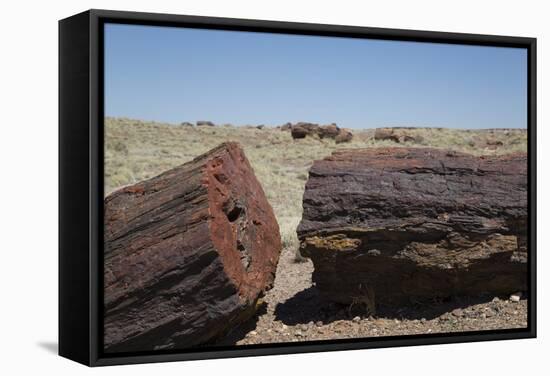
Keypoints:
pixel 136 150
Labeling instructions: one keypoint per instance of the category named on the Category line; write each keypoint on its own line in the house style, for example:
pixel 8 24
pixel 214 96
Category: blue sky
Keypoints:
pixel 174 74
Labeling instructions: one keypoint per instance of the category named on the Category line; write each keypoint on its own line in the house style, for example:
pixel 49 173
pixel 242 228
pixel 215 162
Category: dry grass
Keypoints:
pixel 137 150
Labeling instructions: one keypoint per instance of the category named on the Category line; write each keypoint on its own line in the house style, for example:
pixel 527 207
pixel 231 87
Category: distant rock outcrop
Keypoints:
pixel 204 123
pixel 302 130
pixel 395 225
pixel 328 131
pixel 286 127
pixel 398 135
pixel 494 142
pixel 188 254
pixel 344 135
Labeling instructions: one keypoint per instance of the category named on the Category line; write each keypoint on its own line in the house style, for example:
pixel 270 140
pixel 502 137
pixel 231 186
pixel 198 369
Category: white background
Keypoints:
pixel 28 188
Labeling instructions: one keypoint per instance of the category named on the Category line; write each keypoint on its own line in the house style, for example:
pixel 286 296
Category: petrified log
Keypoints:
pixel 204 123
pixel 398 135
pixel 344 135
pixel 328 131
pixel 405 224
pixel 382 134
pixel 187 253
pixel 303 129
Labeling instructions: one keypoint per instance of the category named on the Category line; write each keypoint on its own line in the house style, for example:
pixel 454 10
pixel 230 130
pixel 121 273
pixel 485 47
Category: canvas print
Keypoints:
pixel 266 188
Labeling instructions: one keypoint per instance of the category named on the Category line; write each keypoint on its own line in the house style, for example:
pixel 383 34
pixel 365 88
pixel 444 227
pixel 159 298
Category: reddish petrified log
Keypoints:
pixel 395 225
pixel 187 253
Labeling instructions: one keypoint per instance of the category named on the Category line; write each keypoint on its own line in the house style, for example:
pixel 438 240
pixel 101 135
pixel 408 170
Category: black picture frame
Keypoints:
pixel 81 184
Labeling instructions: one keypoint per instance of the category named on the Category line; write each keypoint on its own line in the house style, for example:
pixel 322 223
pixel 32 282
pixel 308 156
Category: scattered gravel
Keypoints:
pixel 293 311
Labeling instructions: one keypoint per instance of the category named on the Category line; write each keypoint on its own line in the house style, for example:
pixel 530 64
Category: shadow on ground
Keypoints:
pixel 308 305
pixel 239 332
pixel 51 347
pixel 430 309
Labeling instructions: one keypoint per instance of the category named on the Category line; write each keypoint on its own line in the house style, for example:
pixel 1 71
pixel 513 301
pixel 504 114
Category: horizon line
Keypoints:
pixel 228 124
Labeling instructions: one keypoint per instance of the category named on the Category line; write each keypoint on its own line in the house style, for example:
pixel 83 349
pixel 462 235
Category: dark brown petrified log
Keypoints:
pixel 395 225
pixel 187 253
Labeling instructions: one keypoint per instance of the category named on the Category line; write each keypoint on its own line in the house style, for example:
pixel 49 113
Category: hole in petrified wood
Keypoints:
pixel 233 210
pixel 220 177
pixel 245 255
pixel 234 213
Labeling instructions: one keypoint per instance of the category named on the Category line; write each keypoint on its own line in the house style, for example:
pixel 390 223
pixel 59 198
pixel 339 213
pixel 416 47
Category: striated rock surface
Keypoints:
pixel 187 253
pixel 398 225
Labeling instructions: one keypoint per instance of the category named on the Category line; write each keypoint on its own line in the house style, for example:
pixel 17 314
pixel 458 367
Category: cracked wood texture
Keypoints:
pixel 399 225
pixel 187 254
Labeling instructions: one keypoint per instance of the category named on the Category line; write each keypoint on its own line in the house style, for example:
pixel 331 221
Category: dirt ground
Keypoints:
pixel 293 311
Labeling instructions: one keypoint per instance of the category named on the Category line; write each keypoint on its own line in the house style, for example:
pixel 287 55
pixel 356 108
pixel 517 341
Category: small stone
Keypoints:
pixel 298 333
pixel 495 300
pixel 423 320
pixel 319 323
pixel 356 319
pixel 253 333
pixel 396 321
pixel 457 312
pixel 489 313
pixel 515 297
pixel 373 252
pixel 303 327
pixel 284 327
